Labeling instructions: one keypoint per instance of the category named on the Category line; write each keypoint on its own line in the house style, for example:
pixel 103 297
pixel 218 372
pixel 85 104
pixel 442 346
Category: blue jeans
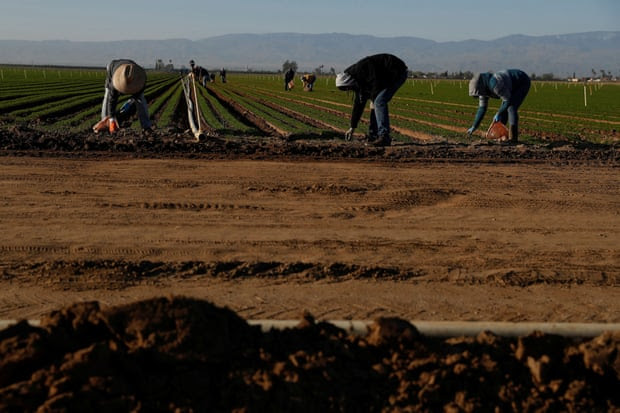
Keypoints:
pixel 381 105
pixel 138 100
pixel 520 88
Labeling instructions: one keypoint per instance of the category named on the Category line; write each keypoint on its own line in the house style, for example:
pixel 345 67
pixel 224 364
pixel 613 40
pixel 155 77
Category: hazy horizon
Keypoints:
pixel 439 20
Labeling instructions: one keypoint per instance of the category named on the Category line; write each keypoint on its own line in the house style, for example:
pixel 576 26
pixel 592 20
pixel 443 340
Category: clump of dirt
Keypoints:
pixel 181 354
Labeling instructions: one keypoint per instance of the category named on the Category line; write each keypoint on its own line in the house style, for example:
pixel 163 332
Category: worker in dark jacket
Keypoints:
pixel 289 77
pixel 200 73
pixel 123 77
pixel 511 86
pixel 375 78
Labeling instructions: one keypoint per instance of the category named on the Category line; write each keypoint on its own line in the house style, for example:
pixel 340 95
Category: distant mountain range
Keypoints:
pixel 562 55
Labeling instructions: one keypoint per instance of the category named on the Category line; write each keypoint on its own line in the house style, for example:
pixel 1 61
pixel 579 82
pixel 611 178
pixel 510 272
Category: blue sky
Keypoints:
pixel 440 20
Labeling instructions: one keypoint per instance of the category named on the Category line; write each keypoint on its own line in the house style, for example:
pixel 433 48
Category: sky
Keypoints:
pixel 439 20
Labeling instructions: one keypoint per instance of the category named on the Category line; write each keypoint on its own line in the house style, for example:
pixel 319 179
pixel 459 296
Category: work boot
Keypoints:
pixel 371 136
pixel 383 140
pixel 513 134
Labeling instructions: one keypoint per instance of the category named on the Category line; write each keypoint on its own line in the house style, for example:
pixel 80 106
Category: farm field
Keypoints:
pixel 255 104
pixel 144 255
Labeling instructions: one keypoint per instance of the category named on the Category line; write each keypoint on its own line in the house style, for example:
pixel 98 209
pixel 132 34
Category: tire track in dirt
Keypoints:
pixel 532 204
pixel 182 206
pixel 79 274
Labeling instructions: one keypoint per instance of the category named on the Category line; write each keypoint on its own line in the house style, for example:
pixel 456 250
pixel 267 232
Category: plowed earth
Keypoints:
pixel 96 230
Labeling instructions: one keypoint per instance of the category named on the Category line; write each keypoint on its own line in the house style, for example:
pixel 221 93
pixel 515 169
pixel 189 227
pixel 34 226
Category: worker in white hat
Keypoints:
pixel 375 78
pixel 124 77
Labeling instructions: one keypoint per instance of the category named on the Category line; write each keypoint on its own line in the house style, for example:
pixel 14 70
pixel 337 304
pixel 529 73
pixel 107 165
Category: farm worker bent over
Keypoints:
pixel 377 78
pixel 511 86
pixel 200 73
pixel 123 77
pixel 289 77
pixel 308 81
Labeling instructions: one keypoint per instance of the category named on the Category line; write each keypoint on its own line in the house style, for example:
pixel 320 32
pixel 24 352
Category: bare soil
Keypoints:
pixel 95 231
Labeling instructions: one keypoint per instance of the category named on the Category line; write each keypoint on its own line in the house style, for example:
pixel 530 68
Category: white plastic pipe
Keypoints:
pixel 441 328
pixel 464 328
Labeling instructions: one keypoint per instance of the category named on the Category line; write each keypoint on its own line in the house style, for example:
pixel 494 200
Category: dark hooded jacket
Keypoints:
pixel 373 74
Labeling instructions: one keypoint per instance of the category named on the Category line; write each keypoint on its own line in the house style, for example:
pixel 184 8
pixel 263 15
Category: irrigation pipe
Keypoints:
pixel 465 328
pixel 197 108
pixel 441 328
pixel 187 89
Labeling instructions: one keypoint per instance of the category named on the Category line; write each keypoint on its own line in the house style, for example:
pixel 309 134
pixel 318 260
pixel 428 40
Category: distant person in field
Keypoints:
pixel 123 77
pixel 511 86
pixel 289 77
pixel 375 78
pixel 223 75
pixel 200 73
pixel 308 81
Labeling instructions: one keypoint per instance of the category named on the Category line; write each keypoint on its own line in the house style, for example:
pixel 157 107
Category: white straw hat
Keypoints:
pixel 129 78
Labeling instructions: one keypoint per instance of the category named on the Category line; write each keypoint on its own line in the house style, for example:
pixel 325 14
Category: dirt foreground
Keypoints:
pixel 279 230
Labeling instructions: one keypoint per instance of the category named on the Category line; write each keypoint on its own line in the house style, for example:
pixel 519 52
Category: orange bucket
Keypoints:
pixel 497 131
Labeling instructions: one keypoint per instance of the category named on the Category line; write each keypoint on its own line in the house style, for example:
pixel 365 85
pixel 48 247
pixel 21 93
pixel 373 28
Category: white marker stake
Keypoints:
pixel 585 96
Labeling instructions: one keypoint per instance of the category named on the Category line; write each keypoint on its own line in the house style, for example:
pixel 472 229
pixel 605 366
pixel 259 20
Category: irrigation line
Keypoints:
pixel 196 107
pixel 190 109
pixel 440 328
pixel 464 328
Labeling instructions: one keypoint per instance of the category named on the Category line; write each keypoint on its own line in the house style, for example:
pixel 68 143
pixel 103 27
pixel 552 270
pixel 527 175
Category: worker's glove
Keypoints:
pixel 348 135
pixel 470 131
pixel 496 117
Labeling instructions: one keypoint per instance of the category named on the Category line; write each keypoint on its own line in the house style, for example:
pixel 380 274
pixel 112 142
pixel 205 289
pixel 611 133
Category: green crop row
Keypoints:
pixel 227 121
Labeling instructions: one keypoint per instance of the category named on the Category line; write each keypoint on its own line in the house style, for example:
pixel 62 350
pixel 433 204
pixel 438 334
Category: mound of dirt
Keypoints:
pixel 180 354
pixel 173 143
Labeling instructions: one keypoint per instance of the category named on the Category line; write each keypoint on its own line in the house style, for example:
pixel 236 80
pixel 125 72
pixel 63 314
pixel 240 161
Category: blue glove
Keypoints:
pixel 470 131
pixel 496 117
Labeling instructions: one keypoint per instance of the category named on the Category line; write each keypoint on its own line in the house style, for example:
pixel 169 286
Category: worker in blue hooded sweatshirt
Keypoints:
pixel 511 86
